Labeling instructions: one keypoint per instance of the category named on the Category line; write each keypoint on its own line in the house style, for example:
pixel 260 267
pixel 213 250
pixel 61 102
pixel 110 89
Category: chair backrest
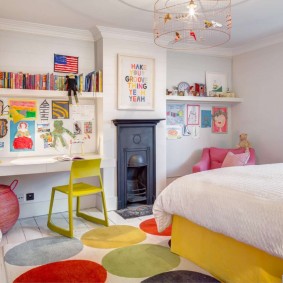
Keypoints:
pixel 85 168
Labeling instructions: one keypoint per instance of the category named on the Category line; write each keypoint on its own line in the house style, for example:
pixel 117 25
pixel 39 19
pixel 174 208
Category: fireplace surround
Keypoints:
pixel 136 161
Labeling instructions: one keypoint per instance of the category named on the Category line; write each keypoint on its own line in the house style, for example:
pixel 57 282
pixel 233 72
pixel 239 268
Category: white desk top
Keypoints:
pixel 10 166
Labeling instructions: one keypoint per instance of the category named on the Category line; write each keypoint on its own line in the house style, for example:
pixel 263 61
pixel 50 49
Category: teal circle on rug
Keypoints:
pixel 43 250
pixel 181 276
pixel 139 261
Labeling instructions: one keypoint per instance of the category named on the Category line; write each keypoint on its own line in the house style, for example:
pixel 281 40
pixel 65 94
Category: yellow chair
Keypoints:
pixel 80 169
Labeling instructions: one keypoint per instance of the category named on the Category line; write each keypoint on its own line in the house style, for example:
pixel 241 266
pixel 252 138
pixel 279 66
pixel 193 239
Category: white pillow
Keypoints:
pixel 232 159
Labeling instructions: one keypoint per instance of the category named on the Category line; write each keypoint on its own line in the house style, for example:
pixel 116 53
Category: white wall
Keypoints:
pixel 182 154
pixel 34 53
pixel 111 48
pixel 257 77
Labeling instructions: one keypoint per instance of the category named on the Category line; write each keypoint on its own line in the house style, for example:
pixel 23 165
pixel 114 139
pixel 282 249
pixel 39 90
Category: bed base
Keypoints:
pixel 225 258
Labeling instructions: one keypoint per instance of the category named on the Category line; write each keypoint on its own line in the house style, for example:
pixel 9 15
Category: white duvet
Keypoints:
pixel 245 203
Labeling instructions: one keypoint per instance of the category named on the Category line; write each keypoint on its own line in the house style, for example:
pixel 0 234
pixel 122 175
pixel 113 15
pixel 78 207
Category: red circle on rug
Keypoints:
pixel 65 272
pixel 149 226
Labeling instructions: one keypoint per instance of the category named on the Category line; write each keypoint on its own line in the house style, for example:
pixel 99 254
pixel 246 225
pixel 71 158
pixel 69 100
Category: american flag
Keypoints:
pixel 65 64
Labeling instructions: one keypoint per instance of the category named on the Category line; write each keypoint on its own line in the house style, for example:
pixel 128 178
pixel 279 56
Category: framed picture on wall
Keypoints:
pixel 216 83
pixel 135 82
pixel 193 113
pixel 219 120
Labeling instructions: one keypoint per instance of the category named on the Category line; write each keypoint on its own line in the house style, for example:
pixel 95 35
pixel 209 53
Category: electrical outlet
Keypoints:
pixel 21 198
pixel 29 196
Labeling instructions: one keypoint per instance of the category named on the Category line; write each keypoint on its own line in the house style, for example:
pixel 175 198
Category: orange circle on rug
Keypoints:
pixel 115 236
pixel 150 227
pixel 80 271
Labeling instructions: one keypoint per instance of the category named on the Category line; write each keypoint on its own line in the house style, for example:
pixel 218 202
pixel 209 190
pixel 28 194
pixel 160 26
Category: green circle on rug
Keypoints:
pixel 80 271
pixel 115 236
pixel 140 261
pixel 43 250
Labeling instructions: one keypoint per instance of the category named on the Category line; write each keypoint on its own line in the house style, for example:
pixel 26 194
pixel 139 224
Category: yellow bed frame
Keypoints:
pixel 225 258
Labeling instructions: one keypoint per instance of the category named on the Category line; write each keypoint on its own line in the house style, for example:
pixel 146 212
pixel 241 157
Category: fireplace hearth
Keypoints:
pixel 136 161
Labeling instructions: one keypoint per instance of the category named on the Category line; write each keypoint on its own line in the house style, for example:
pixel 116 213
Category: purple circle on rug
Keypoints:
pixel 181 276
pixel 43 250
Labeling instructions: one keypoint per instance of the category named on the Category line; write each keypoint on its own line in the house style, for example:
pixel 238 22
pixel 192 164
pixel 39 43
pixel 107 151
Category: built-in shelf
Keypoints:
pixel 201 99
pixel 12 93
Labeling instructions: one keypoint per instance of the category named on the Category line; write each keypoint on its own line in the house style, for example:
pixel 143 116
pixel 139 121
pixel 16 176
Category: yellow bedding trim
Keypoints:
pixel 225 258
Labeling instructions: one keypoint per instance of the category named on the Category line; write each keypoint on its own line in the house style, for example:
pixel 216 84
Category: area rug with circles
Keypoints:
pixel 118 253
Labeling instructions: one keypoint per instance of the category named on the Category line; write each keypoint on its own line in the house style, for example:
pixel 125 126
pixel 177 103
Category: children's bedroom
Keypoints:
pixel 141 141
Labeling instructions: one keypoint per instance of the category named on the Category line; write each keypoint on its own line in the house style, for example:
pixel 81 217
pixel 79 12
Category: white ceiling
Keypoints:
pixel 252 19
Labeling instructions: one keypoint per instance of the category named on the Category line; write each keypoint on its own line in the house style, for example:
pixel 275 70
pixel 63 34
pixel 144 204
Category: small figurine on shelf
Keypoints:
pixel 71 82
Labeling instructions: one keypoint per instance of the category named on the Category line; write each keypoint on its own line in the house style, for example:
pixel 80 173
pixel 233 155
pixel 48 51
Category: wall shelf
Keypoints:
pixel 200 99
pixel 32 93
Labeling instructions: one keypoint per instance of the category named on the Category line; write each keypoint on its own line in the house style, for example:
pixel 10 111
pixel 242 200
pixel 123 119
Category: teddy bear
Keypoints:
pixel 244 143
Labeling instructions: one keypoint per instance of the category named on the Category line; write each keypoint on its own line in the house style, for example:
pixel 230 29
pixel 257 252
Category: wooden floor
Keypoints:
pixel 35 227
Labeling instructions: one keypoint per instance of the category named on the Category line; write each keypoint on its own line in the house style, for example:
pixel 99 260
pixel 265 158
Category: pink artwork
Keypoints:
pixel 219 120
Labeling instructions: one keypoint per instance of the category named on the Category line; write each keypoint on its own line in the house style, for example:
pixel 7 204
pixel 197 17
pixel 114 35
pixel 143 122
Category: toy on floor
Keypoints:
pixel 244 143
pixel 71 82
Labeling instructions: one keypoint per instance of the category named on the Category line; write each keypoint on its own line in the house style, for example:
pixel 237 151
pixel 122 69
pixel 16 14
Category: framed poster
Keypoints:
pixel 219 120
pixel 135 82
pixel 215 83
pixel 193 113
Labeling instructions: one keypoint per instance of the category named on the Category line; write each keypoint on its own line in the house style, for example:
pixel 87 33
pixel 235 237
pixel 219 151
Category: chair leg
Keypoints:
pixel 55 228
pixel 92 218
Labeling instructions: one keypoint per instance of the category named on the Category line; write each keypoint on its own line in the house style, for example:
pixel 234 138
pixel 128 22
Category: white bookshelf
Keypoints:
pixel 31 93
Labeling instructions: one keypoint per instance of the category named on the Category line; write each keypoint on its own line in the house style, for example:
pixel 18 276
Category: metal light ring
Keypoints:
pixel 194 45
pixel 125 2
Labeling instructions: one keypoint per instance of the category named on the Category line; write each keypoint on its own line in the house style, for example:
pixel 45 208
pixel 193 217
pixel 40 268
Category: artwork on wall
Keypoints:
pixel 60 109
pixel 175 114
pixel 3 127
pixel 88 127
pixel 193 113
pixel 27 108
pixel 66 64
pixel 215 83
pixel 174 132
pixel 206 118
pixel 135 83
pixel 77 128
pixel 4 109
pixel 58 132
pixel 219 120
pixel 22 136
pixel 2 144
pixel 44 110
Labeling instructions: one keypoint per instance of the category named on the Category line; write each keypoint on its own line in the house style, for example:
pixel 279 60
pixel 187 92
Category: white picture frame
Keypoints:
pixel 135 82
pixel 216 83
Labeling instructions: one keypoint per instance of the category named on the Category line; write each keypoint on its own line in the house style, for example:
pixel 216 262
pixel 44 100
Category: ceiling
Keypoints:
pixel 252 19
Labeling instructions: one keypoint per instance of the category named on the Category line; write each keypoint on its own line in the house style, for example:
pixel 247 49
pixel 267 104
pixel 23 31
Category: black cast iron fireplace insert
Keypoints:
pixel 136 161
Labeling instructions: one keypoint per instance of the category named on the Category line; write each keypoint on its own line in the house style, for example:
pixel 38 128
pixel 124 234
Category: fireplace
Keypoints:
pixel 136 161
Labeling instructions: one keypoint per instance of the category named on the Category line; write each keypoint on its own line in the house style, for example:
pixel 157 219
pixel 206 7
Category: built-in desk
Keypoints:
pixel 13 166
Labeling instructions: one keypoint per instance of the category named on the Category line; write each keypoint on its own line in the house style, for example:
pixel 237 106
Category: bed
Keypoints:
pixel 228 221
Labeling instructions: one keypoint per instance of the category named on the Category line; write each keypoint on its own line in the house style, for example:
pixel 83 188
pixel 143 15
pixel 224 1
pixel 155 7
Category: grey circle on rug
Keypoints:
pixel 181 276
pixel 43 250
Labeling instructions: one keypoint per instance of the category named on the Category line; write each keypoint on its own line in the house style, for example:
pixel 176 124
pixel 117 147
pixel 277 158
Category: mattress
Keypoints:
pixel 245 203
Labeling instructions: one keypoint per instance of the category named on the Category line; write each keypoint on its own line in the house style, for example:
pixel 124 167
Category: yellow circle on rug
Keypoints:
pixel 115 236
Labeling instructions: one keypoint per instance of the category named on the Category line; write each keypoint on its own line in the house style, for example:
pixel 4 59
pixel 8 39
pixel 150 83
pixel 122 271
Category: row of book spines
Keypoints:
pixel 93 81
pixel 44 82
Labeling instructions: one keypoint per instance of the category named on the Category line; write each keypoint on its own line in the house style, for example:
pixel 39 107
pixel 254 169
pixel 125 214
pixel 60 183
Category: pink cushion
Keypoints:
pixel 217 155
pixel 232 159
